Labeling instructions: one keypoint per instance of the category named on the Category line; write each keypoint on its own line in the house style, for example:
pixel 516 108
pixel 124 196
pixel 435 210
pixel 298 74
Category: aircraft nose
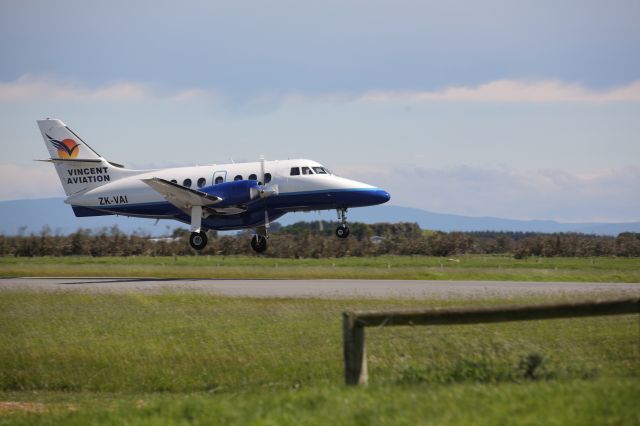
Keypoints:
pixel 381 196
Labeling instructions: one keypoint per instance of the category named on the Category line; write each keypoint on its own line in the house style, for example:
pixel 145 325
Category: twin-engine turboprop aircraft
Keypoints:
pixel 217 196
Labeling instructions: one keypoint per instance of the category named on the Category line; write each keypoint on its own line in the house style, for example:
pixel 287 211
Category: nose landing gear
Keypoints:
pixel 342 231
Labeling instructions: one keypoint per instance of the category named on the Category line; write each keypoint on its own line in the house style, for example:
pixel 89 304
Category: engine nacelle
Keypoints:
pixel 234 193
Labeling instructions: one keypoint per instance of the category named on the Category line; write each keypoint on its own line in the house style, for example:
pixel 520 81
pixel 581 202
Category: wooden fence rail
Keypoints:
pixel 355 359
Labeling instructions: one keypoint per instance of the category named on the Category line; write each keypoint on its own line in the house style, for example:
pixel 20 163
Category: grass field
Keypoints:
pixel 191 358
pixel 384 267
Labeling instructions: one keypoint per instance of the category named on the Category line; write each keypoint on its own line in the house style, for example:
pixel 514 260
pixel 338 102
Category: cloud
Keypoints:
pixel 545 91
pixel 32 88
pixel 604 195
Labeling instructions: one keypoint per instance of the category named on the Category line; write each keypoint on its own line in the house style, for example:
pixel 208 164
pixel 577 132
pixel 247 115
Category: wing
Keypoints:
pixel 184 198
pixel 180 196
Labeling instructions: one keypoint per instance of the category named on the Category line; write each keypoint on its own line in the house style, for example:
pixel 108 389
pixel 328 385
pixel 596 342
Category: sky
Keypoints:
pixel 515 109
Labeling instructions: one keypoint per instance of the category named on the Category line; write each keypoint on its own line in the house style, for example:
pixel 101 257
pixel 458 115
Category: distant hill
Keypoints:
pixel 38 213
pixel 452 222
pixel 58 216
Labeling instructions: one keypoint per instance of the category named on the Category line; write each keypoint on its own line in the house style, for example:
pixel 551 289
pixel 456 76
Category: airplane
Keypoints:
pixel 216 196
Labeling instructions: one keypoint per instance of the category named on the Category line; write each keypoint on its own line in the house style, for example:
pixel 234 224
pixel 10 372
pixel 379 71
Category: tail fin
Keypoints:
pixel 79 167
pixel 63 143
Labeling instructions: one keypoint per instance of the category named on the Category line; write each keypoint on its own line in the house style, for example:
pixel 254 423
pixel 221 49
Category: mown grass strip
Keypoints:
pixel 202 359
pixel 194 342
pixel 578 402
pixel 386 267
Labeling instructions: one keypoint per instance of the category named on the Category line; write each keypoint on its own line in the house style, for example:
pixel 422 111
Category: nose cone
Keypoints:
pixel 351 193
pixel 380 196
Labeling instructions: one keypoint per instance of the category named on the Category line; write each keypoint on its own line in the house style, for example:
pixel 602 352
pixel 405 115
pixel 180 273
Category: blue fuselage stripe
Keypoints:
pixel 276 205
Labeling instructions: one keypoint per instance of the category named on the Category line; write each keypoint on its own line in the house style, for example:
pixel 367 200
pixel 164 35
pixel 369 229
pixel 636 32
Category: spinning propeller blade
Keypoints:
pixel 262 188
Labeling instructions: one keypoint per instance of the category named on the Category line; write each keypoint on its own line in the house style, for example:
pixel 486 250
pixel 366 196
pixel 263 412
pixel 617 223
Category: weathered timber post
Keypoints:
pixel 355 357
pixel 353 323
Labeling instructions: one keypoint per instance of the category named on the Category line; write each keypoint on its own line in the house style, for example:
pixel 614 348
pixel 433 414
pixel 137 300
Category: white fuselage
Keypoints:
pixel 302 185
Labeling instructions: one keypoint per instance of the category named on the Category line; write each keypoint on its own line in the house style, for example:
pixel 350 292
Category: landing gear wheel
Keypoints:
pixel 342 231
pixel 198 240
pixel 258 243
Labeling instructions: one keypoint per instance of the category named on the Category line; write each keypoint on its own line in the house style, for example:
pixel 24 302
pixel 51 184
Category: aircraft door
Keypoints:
pixel 219 176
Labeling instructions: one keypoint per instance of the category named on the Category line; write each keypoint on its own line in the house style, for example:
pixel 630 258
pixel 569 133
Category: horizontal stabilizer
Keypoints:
pixel 72 160
pixel 80 160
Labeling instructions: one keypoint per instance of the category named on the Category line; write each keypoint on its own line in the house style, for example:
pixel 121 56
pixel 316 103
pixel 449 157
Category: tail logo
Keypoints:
pixel 67 148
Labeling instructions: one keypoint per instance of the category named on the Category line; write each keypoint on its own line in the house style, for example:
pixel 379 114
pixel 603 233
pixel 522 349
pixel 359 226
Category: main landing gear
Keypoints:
pixel 198 240
pixel 342 231
pixel 259 243
pixel 259 240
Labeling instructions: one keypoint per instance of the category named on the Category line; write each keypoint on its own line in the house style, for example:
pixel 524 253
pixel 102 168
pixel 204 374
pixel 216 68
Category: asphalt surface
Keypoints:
pixel 323 288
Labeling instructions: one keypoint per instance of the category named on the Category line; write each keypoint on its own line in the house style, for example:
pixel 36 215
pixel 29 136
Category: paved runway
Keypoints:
pixel 323 288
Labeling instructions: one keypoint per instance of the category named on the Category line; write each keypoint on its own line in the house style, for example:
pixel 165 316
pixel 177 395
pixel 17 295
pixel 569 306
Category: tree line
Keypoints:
pixel 317 239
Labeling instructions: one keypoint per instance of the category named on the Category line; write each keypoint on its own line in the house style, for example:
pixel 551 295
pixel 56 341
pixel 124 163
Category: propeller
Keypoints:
pixel 263 191
pixel 263 195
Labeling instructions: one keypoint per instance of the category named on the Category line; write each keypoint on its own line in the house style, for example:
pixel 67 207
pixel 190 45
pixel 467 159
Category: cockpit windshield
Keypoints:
pixel 309 170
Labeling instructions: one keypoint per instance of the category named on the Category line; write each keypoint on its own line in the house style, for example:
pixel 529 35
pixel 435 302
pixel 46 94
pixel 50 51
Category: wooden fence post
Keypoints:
pixel 353 323
pixel 355 358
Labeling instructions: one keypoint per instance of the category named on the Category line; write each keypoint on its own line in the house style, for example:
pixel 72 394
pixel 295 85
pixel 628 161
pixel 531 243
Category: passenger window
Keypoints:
pixel 253 177
pixel 219 180
pixel 295 171
pixel 187 183
pixel 306 171
pixel 267 177
pixel 319 170
pixel 174 181
pixel 201 182
pixel 238 177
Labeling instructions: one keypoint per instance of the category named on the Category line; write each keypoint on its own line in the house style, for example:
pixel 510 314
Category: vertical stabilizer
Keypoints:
pixel 63 143
pixel 79 167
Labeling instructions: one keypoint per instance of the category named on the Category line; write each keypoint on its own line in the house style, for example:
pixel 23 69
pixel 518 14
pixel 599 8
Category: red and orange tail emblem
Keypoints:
pixel 67 148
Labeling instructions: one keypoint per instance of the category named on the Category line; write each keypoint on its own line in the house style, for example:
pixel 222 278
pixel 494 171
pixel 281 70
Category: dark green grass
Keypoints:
pixel 602 401
pixel 474 267
pixel 183 358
